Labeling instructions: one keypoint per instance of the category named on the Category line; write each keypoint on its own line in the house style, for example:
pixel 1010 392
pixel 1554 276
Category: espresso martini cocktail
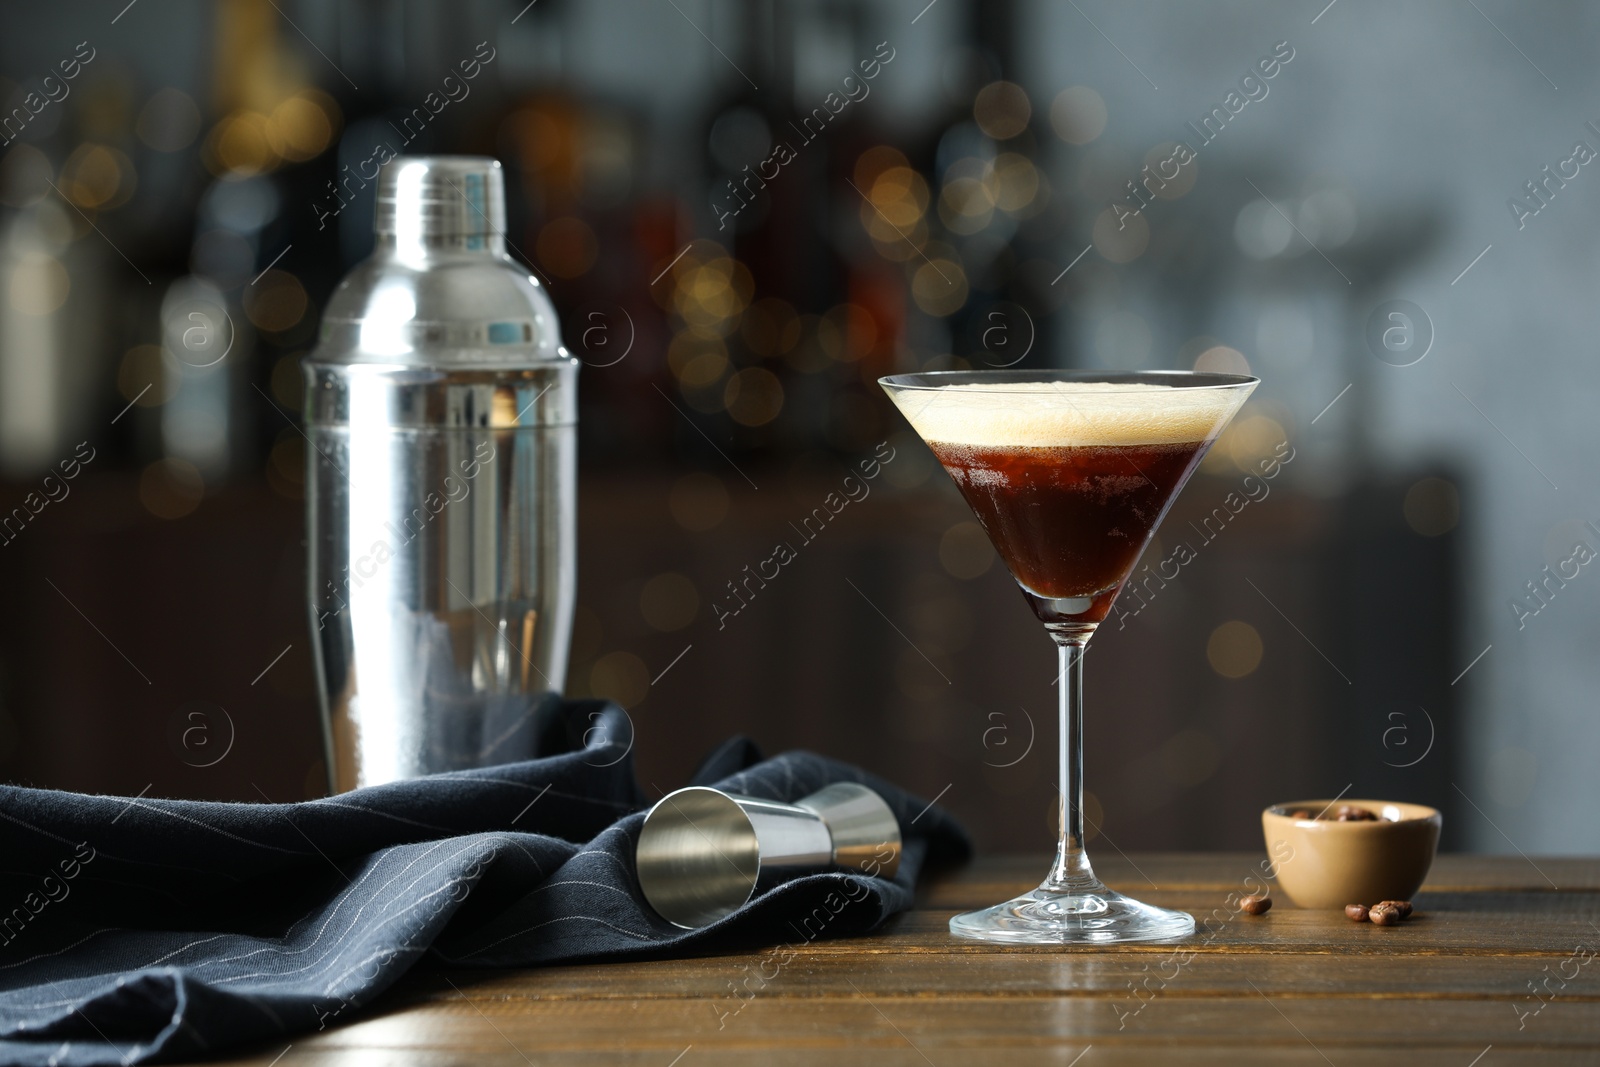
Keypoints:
pixel 1069 474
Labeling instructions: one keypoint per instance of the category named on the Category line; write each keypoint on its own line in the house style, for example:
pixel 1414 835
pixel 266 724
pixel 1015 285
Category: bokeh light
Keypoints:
pixel 302 127
pixel 939 287
pixel 1234 649
pixel 710 295
pixel 895 203
pixel 620 676
pixel 696 361
pixel 874 161
pixel 1327 217
pixel 239 144
pixel 966 205
pixel 1120 241
pixel 1002 110
pixel 1261 232
pixel 753 396
pixel 965 551
pixel 39 285
pixel 1015 184
pixel 1220 359
pixel 299 127
pixel 97 177
pixel 1249 440
pixel 1078 114
pixel 276 302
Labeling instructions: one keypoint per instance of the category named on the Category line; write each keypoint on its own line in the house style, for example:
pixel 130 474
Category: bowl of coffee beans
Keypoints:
pixel 1327 853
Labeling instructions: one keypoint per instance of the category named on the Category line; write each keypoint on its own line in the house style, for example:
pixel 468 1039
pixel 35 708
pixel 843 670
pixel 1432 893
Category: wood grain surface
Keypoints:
pixel 1494 968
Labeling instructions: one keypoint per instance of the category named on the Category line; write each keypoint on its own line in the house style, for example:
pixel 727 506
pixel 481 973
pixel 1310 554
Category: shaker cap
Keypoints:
pixel 439 327
pixel 422 197
pixel 439 290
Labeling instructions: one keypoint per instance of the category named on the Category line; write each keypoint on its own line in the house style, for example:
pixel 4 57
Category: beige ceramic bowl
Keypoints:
pixel 1326 864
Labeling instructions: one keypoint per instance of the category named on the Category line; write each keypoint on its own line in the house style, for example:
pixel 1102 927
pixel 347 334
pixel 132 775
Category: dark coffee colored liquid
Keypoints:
pixel 1070 522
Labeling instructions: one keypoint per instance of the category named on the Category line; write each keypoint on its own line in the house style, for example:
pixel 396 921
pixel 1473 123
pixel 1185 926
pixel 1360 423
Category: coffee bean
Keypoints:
pixel 1353 813
pixel 1356 912
pixel 1384 915
pixel 1402 906
pixel 1301 813
pixel 1255 905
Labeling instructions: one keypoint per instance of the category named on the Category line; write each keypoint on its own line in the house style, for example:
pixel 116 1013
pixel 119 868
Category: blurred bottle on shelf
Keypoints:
pixel 51 337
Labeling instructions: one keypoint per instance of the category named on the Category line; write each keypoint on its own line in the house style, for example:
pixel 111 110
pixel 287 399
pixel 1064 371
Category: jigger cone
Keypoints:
pixel 702 852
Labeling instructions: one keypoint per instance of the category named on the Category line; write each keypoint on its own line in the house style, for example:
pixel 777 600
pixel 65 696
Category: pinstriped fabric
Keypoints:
pixel 149 930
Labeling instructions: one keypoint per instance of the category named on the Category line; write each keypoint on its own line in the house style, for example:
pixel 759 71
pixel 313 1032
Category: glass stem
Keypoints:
pixel 1072 873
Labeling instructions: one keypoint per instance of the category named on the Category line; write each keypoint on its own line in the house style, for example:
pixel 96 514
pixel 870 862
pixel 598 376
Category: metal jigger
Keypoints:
pixel 702 853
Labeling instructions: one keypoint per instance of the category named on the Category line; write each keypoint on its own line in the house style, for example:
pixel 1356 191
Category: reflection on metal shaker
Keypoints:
pixel 441 410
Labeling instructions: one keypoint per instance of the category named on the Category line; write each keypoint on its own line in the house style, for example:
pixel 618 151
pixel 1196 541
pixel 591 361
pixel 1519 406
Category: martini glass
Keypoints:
pixel 1069 473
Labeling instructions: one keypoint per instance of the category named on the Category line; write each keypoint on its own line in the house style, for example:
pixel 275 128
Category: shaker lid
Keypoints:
pixel 440 290
pixel 421 197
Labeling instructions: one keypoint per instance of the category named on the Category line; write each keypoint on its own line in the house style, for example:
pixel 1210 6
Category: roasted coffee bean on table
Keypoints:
pixel 1255 905
pixel 1384 915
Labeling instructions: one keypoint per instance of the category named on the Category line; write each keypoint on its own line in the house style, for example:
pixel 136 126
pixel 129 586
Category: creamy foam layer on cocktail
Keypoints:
pixel 1066 414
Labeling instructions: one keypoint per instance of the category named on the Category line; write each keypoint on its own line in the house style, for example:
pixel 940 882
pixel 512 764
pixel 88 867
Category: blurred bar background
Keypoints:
pixel 746 213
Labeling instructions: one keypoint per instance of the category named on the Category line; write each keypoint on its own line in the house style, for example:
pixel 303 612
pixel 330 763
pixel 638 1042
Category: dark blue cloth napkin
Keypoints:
pixel 138 930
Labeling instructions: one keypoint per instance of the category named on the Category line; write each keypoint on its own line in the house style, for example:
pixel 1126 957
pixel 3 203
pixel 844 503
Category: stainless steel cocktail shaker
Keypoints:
pixel 440 410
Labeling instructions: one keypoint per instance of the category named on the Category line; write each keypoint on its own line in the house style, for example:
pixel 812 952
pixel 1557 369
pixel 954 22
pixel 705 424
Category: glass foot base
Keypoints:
pixel 1095 917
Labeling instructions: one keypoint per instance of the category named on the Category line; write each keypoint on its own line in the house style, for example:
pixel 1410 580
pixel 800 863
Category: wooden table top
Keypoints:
pixel 1496 967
